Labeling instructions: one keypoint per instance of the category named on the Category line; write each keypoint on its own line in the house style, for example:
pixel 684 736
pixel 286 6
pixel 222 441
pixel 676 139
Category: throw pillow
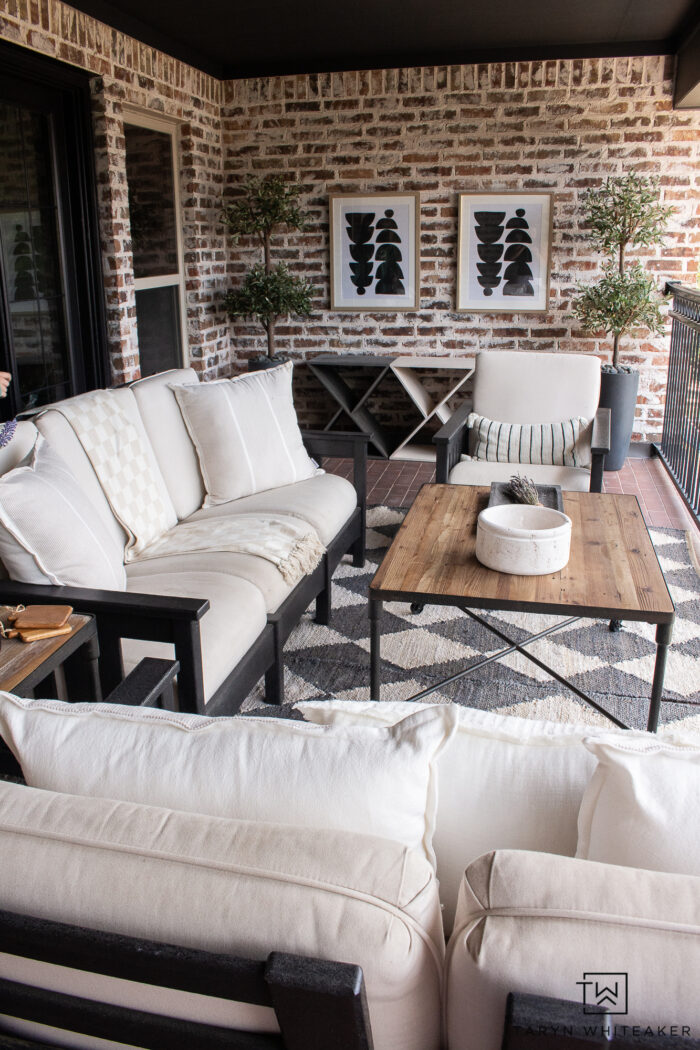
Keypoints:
pixel 66 541
pixel 370 779
pixel 556 444
pixel 246 433
pixel 641 806
pixel 503 783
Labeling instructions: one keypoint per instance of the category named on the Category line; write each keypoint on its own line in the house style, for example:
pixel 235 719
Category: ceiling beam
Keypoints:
pixel 686 92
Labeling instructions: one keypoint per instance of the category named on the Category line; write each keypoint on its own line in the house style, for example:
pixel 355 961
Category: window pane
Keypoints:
pixel 30 258
pixel 149 174
pixel 158 323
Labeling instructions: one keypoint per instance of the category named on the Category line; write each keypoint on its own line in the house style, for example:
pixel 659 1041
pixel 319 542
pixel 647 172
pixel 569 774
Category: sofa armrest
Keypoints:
pixel 124 614
pixel 150 684
pixel 450 441
pixel 350 444
pixel 600 446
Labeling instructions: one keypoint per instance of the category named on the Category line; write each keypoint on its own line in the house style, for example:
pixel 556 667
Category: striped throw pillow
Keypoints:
pixel 246 433
pixel 556 444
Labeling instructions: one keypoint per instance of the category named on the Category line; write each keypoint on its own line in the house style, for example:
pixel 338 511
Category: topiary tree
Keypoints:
pixel 624 213
pixel 267 292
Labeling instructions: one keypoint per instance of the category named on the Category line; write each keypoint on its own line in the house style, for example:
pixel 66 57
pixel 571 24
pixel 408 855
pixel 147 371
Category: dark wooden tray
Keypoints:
pixel 549 495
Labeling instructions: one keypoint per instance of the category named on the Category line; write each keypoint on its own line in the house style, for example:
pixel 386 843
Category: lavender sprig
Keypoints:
pixel 523 490
pixel 7 432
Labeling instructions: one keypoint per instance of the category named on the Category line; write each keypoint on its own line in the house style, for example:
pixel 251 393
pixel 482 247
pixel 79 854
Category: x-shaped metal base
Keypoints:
pixel 663 638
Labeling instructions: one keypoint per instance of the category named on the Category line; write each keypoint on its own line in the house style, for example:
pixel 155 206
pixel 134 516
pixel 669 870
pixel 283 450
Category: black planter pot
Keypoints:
pixel 618 392
pixel 260 364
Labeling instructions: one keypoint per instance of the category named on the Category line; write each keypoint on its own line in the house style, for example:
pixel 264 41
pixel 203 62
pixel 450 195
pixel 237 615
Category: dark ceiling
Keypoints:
pixel 235 38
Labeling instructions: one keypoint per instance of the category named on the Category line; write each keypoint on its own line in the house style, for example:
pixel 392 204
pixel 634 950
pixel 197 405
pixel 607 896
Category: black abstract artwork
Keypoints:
pixel 360 232
pixel 365 249
pixel 517 276
pixel 489 230
pixel 389 273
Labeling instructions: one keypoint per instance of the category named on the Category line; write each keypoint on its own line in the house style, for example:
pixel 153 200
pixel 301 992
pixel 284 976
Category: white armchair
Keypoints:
pixel 524 388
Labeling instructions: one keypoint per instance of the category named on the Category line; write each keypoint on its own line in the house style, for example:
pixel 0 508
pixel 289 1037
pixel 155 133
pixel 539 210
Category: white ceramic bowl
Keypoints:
pixel 524 540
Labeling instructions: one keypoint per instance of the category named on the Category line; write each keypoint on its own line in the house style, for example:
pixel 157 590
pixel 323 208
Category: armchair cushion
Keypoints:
pixel 255 443
pixel 536 388
pixel 480 472
pixel 50 532
pixel 225 886
pixel 371 779
pixel 565 443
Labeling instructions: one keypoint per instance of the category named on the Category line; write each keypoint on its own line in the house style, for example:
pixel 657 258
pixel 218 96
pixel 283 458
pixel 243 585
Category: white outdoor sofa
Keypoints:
pixel 317 840
pixel 226 614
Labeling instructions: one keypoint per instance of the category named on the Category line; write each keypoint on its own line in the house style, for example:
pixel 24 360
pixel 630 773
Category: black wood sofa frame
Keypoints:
pixel 318 1004
pixel 122 614
pixel 453 439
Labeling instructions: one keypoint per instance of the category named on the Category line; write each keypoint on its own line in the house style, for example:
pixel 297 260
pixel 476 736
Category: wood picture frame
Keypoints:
pixel 375 254
pixel 504 250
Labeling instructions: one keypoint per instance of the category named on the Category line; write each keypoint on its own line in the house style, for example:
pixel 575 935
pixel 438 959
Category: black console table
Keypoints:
pixel 362 386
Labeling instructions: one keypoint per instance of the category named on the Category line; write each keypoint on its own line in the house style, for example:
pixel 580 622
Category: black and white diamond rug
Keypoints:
pixel 418 650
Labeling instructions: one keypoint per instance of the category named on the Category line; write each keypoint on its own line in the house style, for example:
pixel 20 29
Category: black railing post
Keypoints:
pixel 680 440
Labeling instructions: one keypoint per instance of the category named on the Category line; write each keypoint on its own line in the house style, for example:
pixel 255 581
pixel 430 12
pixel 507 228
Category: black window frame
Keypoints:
pixel 25 78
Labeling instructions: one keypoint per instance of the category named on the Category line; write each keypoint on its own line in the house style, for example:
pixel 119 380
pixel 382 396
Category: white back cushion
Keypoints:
pixel 49 531
pixel 169 437
pixel 539 924
pixel 641 805
pixel 246 433
pixel 503 782
pixel 371 779
pixel 535 388
pixel 236 887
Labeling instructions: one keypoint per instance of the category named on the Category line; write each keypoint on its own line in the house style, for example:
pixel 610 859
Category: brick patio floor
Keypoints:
pixel 396 484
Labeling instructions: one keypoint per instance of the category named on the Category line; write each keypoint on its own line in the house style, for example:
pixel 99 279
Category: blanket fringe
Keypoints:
pixel 303 558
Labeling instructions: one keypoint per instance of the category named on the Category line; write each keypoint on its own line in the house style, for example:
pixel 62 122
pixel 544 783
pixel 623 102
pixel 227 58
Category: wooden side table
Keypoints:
pixel 23 665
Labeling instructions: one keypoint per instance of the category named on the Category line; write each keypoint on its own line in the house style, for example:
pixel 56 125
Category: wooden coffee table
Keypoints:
pixel 613 573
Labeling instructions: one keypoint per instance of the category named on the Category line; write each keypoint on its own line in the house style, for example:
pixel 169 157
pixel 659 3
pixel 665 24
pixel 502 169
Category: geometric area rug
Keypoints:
pixel 420 649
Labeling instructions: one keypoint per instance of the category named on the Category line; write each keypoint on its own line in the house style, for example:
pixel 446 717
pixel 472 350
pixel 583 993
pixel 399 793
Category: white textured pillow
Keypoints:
pixel 50 533
pixel 370 779
pixel 641 808
pixel 556 444
pixel 246 433
pixel 503 783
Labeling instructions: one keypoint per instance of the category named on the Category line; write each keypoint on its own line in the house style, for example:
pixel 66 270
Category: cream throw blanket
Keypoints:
pixel 289 543
pixel 114 447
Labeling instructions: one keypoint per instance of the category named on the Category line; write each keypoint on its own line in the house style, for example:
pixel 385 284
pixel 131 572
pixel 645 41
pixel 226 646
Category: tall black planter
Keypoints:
pixel 261 364
pixel 618 392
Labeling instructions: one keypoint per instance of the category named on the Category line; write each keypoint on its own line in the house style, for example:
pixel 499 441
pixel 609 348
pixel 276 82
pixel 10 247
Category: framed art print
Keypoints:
pixel 375 251
pixel 503 253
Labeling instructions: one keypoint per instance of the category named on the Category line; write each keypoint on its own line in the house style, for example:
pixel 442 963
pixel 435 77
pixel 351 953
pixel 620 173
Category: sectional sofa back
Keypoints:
pixel 169 438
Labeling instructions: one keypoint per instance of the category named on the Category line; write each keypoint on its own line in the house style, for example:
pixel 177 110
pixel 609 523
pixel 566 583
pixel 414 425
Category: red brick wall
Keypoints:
pixel 561 126
pixel 129 73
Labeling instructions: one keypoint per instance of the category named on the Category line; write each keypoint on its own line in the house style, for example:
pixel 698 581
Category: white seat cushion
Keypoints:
pixel 169 437
pixel 265 576
pixel 477 472
pixel 229 886
pixel 326 501
pixel 236 617
pixel 531 922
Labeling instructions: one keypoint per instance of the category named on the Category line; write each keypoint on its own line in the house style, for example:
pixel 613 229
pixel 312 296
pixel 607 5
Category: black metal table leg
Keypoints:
pixel 93 655
pixel 375 639
pixel 664 633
